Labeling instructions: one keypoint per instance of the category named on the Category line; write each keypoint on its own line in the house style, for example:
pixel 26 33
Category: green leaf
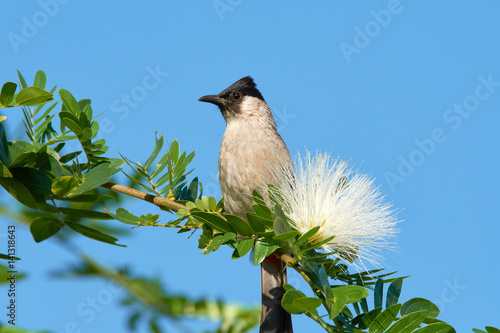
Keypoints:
pixel 193 190
pixel 4 146
pixel 262 249
pixel 71 122
pixel 214 221
pixel 86 135
pixel 351 293
pixel 287 302
pixel 320 272
pixel 418 304
pixel 153 326
pixel 202 204
pixel 393 292
pixel 133 320
pixel 369 317
pixel 22 81
pixel 241 227
pixel 256 222
pixel 33 96
pixel 40 80
pixel 94 178
pixel 364 305
pixel 69 102
pixel 258 198
pixel 378 294
pixel 409 322
pixel 4 171
pixel 242 248
pixel 42 128
pixel 212 204
pixel 260 252
pixel 263 211
pixel 491 329
pixel 337 304
pixel 89 214
pixel 305 237
pixel 44 227
pixel 18 191
pixel 98 144
pixel 160 166
pixel 261 208
pixel 318 245
pixel 435 328
pixel 26 159
pixel 68 157
pixel 46 162
pixel 7 93
pixel 87 111
pixel 7 257
pixel 45 114
pixel 287 235
pixel 36 181
pixel 16 148
pixel 306 303
pixel 174 151
pixel 280 225
pixel 5 278
pixel 384 319
pixel 94 127
pixel 156 151
pixel 218 240
pixel 84 104
pixel 126 217
pixel 92 233
pixel 205 237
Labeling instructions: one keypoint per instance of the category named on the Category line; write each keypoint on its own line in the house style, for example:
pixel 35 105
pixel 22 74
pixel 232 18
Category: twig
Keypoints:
pixel 320 321
pixel 156 200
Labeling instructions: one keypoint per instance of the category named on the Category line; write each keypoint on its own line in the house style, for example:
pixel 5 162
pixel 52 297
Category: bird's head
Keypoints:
pixel 241 100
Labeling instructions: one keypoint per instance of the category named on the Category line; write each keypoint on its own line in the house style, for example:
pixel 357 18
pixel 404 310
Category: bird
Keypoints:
pixel 251 147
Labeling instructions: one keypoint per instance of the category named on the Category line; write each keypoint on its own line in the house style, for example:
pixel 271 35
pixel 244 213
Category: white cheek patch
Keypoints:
pixel 250 106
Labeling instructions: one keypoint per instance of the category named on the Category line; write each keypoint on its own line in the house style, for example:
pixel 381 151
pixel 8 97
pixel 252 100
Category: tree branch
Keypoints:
pixel 156 200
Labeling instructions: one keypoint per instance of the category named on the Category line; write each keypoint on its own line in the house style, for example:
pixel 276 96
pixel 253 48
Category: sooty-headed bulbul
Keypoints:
pixel 250 149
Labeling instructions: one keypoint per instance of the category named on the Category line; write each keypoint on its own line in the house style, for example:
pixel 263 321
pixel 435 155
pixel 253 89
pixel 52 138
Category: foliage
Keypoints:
pixel 39 176
pixel 172 182
pixel 62 193
pixel 147 301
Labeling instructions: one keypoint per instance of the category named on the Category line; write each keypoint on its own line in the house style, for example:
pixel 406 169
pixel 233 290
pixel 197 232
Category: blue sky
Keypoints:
pixel 407 91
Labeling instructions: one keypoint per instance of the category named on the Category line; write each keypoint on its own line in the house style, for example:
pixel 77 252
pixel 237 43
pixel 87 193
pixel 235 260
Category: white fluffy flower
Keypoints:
pixel 344 203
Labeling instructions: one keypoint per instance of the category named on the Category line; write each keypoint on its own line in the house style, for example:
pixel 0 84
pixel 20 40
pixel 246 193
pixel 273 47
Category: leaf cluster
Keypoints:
pixel 40 176
pixel 167 175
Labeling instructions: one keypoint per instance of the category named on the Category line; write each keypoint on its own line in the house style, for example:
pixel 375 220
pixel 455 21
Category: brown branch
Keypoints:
pixel 156 200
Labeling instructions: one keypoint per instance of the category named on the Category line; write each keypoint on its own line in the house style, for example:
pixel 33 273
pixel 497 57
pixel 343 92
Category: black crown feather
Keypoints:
pixel 246 86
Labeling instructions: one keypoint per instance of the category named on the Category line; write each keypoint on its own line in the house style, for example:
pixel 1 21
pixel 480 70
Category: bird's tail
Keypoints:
pixel 274 318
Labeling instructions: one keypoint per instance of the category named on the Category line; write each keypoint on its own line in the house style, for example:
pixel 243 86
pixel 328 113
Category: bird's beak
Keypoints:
pixel 214 99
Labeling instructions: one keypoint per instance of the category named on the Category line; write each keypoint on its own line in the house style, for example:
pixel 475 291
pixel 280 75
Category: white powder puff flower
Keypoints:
pixel 345 204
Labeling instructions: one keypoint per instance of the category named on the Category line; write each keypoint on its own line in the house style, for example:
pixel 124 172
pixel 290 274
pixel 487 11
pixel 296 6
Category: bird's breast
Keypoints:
pixel 247 156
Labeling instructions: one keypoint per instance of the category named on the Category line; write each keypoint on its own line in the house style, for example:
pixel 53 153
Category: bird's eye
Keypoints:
pixel 236 96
